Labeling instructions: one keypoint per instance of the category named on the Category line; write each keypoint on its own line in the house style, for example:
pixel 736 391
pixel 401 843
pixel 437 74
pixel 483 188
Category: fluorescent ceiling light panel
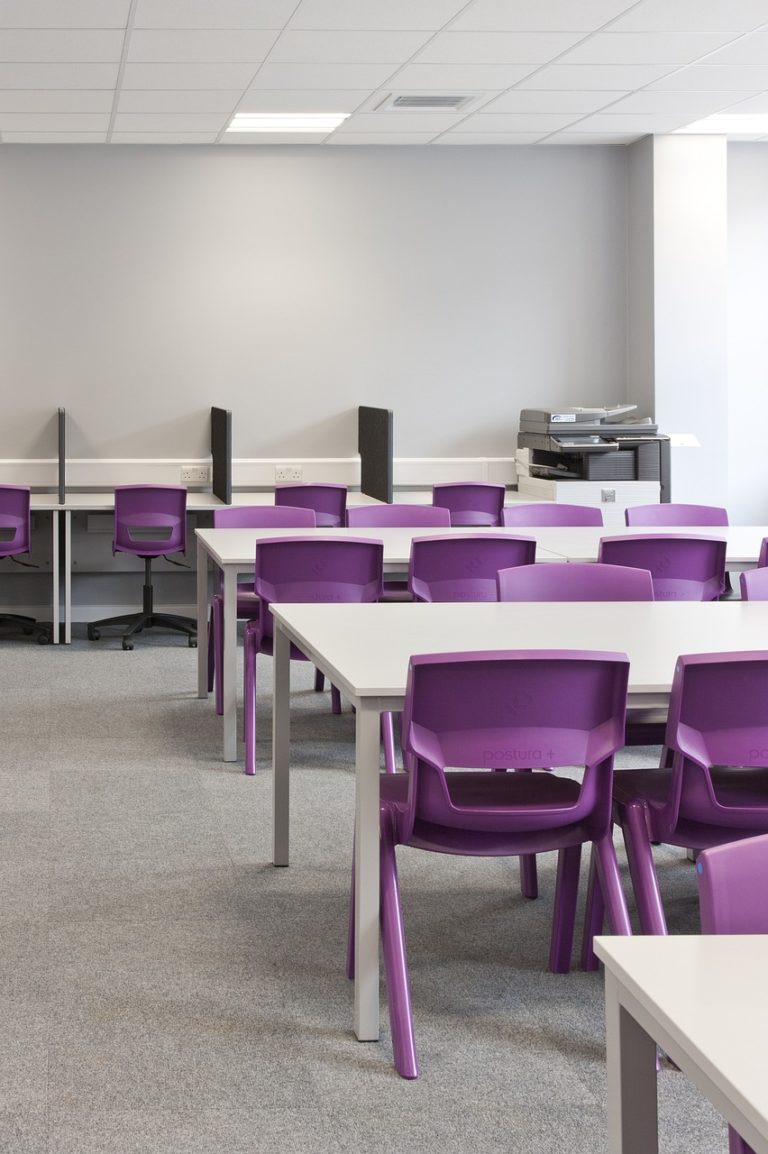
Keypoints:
pixel 729 124
pixel 323 122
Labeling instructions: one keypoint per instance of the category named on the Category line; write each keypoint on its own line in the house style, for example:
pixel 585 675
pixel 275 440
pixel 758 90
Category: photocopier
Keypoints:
pixel 594 444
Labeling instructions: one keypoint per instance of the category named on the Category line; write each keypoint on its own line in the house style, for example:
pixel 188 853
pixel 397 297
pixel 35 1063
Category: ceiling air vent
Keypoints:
pixel 426 102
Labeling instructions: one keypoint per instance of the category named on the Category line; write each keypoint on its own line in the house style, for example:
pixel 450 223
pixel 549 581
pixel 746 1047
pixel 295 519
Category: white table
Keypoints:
pixel 234 550
pixel 703 1000
pixel 49 503
pixel 364 650
pixel 581 543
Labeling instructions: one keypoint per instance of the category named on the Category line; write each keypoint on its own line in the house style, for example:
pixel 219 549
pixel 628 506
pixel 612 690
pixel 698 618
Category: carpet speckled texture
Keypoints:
pixel 164 990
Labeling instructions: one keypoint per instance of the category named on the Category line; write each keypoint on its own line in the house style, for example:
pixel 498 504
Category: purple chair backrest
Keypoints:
pixel 733 881
pixel 471 502
pixel 397 516
pixel 263 517
pixel 762 560
pixel 575 582
pixel 550 513
pixel 514 709
pixel 14 520
pixel 328 501
pixel 683 567
pixel 754 584
pixel 464 568
pixel 675 514
pixel 717 717
pixel 150 519
pixel 317 569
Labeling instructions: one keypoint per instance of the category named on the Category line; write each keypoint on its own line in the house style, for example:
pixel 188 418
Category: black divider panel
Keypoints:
pixel 62 477
pixel 221 452
pixel 375 446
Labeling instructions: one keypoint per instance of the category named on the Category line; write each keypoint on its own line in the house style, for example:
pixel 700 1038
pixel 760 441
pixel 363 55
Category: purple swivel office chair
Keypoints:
pixel 15 534
pixel 329 502
pixel 733 881
pixel 683 567
pixel 244 517
pixel 675 514
pixel 575 582
pixel 471 502
pixel 716 789
pixel 479 711
pixel 464 567
pixel 550 513
pixel 754 584
pixel 150 521
pixel 303 569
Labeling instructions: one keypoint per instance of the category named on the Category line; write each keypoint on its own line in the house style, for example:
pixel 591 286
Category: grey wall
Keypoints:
pixel 748 330
pixel 455 285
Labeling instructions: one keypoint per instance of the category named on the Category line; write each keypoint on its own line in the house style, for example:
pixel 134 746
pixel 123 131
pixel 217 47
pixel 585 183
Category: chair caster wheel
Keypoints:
pixel 127 645
pixel 44 639
pixel 192 643
pixel 93 634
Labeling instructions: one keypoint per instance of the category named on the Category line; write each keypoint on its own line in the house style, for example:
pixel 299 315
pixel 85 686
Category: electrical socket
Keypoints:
pixel 195 474
pixel 288 472
pixel 607 496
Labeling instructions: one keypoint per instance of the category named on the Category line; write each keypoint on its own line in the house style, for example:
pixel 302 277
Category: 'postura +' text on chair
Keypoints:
pixel 683 567
pixel 474 712
pixel 329 502
pixel 244 517
pixel 464 567
pixel 471 502
pixel 550 513
pixel 716 789
pixel 150 521
pixel 303 569
pixel 733 881
pixel 15 534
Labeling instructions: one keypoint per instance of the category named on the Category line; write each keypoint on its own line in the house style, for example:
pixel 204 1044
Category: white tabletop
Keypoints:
pixel 196 502
pixel 365 648
pixel 581 543
pixel 703 999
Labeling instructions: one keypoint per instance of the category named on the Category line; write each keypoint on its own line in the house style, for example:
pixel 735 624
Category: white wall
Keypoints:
pixel 748 330
pixel 455 285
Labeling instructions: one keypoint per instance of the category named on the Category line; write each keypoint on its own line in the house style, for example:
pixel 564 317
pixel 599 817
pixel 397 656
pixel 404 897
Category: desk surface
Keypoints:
pixel 236 546
pixel 706 997
pixel 196 502
pixel 365 648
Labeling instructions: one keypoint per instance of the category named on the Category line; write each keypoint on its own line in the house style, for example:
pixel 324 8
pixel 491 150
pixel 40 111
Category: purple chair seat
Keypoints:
pixel 568 710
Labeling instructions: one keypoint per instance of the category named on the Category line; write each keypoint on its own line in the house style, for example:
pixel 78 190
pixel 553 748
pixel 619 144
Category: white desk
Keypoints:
pixel 364 650
pixel 703 1000
pixel 581 543
pixel 234 550
pixel 49 503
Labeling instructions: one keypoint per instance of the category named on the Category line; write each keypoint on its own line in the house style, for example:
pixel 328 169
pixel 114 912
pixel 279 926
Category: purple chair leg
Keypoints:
pixel 594 916
pixel 388 740
pixel 566 892
pixel 642 870
pixel 211 655
pixel 335 700
pixel 319 681
pixel 249 698
pixel 736 1144
pixel 217 618
pixel 610 884
pixel 529 880
pixel 395 964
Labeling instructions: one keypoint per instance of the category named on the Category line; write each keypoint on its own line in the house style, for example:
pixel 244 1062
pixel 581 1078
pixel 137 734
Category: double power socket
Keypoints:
pixel 289 473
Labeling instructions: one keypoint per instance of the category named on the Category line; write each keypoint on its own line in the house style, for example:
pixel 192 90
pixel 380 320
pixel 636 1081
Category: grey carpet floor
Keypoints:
pixel 165 990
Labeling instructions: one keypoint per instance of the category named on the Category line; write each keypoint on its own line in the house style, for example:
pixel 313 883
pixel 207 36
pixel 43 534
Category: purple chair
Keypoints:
pixel 754 584
pixel 762 560
pixel 471 502
pixel 716 789
pixel 575 582
pixel 675 514
pixel 683 567
pixel 328 501
pixel 244 517
pixel 301 569
pixel 15 534
pixel 397 516
pixel 568 710
pixel 550 513
pixel 464 567
pixel 733 880
pixel 150 521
